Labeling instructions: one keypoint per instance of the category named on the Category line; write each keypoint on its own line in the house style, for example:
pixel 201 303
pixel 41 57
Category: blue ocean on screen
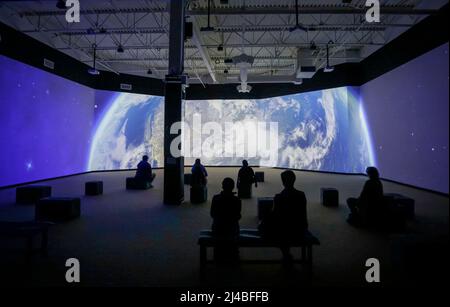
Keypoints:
pixel 322 130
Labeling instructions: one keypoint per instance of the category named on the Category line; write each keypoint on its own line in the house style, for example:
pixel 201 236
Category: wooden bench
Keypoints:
pixel 251 238
pixel 27 230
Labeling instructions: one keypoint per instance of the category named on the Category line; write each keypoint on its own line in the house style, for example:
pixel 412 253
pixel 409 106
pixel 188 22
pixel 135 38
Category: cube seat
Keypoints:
pixel 329 197
pixel 57 209
pixel 92 188
pixel 30 194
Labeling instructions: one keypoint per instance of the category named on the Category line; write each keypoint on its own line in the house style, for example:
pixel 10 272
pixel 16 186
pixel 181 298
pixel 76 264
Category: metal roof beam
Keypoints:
pixel 253 10
pixel 198 42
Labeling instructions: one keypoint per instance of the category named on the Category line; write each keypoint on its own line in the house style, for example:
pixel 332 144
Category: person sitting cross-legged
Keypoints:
pixel 144 171
pixel 369 206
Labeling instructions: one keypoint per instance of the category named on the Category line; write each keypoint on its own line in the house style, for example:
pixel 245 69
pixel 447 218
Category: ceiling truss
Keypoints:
pixel 257 28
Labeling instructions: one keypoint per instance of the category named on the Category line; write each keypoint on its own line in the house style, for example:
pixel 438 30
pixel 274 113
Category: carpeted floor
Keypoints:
pixel 129 238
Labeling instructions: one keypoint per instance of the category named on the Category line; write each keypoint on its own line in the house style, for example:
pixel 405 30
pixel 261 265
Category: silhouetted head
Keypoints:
pixel 372 172
pixel 145 158
pixel 245 163
pixel 288 178
pixel 228 184
pixel 197 161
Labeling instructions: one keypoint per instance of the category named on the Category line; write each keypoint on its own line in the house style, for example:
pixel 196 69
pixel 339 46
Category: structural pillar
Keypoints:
pixel 173 163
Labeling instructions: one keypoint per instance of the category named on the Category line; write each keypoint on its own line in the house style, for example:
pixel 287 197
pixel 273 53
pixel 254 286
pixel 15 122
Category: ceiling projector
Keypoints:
pixel 328 69
pixel 243 62
pixel 93 71
pixel 244 88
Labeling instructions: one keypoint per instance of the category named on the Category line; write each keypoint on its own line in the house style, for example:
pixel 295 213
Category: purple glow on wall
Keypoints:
pixel 408 114
pixel 46 124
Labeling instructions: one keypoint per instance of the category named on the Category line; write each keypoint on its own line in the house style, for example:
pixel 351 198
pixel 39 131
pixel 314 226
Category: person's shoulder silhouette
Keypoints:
pixel 226 209
pixel 290 204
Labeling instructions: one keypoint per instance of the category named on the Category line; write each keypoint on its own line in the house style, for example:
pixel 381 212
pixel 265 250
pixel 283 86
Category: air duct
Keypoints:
pixel 305 67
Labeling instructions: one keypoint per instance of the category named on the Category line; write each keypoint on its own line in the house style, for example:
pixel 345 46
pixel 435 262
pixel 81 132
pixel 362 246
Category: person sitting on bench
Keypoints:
pixel 199 174
pixel 246 177
pixel 144 170
pixel 370 201
pixel 226 213
pixel 288 220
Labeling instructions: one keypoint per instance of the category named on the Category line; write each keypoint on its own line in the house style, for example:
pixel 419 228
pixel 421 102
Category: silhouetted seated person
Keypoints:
pixel 246 177
pixel 288 221
pixel 144 171
pixel 226 213
pixel 199 174
pixel 370 204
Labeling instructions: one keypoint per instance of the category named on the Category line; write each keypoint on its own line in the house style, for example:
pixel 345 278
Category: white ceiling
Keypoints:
pixel 259 28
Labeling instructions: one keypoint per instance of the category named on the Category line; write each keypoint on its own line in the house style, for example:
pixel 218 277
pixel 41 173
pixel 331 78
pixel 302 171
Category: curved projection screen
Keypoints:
pixel 46 124
pixel 324 130
pixel 54 127
pixel 408 115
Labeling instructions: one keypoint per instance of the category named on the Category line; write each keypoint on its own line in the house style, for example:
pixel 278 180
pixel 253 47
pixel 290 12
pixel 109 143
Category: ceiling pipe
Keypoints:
pixel 297 26
pixel 208 28
pixel 198 42
pixel 254 79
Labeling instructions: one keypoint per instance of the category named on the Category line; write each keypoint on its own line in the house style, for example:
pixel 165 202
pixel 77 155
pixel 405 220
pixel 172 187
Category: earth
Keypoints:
pixel 323 130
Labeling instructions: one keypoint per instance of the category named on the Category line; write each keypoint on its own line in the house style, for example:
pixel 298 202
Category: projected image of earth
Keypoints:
pixel 324 130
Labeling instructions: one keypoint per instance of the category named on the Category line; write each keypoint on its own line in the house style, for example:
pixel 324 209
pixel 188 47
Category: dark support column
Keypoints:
pixel 173 165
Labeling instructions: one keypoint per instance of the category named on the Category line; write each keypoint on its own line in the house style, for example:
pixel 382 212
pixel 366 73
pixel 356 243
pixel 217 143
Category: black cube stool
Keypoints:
pixel 245 191
pixel 265 207
pixel 93 188
pixel 32 193
pixel 259 176
pixel 199 194
pixel 136 184
pixel 329 197
pixel 402 204
pixel 187 178
pixel 57 209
